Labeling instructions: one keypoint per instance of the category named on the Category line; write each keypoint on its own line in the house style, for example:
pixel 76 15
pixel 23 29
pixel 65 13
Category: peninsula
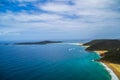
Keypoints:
pixel 109 49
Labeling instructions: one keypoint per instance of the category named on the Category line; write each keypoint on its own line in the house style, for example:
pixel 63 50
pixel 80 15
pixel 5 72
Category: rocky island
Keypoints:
pixel 109 49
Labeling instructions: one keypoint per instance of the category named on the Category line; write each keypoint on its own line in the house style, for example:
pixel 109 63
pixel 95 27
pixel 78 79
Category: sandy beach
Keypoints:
pixel 115 67
pixel 101 52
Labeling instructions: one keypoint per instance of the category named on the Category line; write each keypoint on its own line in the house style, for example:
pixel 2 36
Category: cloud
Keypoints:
pixel 81 8
pixel 55 7
pixel 25 0
pixel 7 33
pixel 62 16
pixel 24 17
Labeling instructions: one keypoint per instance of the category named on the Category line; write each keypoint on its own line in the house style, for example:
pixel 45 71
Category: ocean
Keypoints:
pixel 61 61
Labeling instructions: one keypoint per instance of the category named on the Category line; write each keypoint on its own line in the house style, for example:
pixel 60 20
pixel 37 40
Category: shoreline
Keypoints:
pixel 112 74
pixel 115 68
pixel 101 53
pixel 78 44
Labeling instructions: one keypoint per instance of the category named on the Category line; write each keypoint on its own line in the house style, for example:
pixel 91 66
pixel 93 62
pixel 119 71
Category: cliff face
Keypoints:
pixel 112 46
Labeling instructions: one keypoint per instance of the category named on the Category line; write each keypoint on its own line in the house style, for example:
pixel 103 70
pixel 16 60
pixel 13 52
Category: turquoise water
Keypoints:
pixel 49 62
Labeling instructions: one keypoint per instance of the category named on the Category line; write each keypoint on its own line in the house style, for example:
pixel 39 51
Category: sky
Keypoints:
pixel 59 19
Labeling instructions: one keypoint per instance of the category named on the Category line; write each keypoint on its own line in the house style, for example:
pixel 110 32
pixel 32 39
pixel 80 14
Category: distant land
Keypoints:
pixel 37 43
pixel 109 49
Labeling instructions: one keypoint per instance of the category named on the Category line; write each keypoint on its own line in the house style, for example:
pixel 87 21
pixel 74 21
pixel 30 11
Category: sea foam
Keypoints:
pixel 74 43
pixel 113 76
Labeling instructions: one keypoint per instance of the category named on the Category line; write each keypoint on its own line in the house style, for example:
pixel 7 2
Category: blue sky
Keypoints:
pixel 59 19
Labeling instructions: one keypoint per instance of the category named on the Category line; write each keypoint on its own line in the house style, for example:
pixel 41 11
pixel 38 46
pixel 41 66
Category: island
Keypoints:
pixel 37 43
pixel 109 50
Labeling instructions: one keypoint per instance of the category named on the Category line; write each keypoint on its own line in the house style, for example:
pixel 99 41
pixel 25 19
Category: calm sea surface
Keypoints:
pixel 49 62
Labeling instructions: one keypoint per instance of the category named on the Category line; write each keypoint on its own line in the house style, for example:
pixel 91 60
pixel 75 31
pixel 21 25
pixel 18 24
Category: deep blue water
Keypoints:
pixel 49 62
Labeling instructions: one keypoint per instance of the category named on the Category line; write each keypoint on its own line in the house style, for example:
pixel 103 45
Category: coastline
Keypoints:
pixel 78 44
pixel 113 75
pixel 101 53
pixel 114 67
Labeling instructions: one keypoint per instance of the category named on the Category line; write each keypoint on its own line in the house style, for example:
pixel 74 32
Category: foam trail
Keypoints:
pixel 113 76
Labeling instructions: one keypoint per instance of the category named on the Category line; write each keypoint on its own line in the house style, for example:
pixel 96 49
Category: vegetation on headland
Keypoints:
pixel 111 45
pixel 38 43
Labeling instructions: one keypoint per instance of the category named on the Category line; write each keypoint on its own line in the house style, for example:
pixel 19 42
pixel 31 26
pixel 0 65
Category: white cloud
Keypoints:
pixel 55 7
pixel 24 17
pixel 90 14
pixel 82 8
pixel 25 0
